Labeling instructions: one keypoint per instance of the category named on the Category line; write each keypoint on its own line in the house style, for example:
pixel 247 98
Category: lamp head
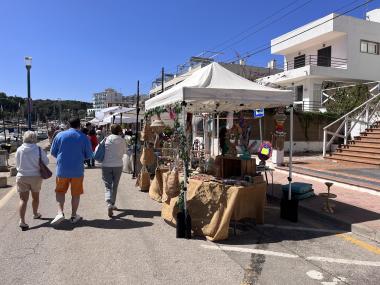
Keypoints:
pixel 28 61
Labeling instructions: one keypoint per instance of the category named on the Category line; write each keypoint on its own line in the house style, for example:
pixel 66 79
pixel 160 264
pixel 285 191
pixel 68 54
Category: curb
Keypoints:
pixel 358 229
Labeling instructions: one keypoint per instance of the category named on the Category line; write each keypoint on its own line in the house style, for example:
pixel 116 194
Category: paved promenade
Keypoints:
pixel 138 247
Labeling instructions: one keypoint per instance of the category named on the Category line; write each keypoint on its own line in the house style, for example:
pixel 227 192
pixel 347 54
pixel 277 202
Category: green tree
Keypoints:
pixel 346 99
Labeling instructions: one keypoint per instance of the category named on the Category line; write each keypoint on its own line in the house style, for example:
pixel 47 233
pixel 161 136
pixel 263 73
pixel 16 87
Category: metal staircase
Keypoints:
pixel 360 131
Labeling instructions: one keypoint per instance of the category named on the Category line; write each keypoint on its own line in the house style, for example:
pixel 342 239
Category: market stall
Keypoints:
pixel 212 90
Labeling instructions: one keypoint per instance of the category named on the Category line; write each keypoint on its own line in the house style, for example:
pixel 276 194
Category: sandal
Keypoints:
pixel 37 216
pixel 23 226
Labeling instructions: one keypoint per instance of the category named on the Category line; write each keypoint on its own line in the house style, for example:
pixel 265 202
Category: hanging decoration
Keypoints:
pixel 230 120
pixel 279 133
pixel 265 151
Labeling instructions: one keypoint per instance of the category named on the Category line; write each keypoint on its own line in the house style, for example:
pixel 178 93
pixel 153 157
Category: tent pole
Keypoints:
pixel 185 162
pixel 290 154
pixel 121 119
pixel 217 131
pixel 137 128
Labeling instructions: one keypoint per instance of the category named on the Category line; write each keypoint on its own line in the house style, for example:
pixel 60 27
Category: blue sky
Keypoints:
pixel 83 46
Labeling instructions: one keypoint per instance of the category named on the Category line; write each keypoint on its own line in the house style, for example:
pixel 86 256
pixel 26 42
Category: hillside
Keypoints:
pixel 43 109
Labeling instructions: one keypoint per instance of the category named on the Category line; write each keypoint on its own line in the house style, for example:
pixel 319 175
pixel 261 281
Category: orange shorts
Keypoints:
pixel 62 185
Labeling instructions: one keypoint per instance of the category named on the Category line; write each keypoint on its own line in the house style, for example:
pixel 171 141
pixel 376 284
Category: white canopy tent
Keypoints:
pixel 121 114
pixel 112 111
pixel 214 88
pixel 119 119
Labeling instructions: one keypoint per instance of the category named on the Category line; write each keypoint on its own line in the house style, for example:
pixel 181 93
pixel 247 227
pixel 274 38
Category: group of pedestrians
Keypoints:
pixel 70 148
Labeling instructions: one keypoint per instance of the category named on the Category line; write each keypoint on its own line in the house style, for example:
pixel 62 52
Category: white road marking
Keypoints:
pixel 301 228
pixel 250 250
pixel 7 196
pixel 343 261
pixel 316 275
pixel 286 255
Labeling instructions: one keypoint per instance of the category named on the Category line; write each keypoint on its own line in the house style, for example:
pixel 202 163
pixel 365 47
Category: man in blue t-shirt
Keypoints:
pixel 70 148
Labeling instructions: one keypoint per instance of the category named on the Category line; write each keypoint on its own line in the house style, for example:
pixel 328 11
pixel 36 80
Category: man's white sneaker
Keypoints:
pixel 75 219
pixel 58 219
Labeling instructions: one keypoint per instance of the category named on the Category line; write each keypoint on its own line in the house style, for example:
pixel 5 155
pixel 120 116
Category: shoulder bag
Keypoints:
pixel 44 170
pixel 100 151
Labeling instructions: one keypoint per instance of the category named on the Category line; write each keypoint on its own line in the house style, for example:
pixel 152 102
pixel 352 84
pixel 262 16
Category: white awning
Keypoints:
pixel 214 88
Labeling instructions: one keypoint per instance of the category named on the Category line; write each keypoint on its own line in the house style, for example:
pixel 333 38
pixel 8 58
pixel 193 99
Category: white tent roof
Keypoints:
pixel 125 119
pixel 214 88
pixel 115 110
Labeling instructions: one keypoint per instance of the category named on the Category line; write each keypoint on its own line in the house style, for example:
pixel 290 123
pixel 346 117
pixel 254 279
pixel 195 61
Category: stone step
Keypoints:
pixel 365 147
pixel 370 135
pixel 364 152
pixel 373 130
pixel 360 160
pixel 370 140
pixel 372 156
pixel 364 144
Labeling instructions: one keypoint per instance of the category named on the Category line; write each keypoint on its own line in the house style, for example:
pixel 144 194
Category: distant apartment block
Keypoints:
pixel 110 98
pixel 339 49
pixel 195 63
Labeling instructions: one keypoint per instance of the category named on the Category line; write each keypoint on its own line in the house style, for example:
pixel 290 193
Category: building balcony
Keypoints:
pixel 315 60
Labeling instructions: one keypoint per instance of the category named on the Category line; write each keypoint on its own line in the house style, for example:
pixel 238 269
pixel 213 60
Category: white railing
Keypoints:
pixel 362 116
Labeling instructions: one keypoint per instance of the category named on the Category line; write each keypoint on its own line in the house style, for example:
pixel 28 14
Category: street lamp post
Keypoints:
pixel 60 110
pixel 28 65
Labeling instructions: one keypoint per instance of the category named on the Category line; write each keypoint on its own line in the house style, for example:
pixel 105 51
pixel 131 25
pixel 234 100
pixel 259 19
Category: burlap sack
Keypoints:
pixel 144 181
pixel 171 183
pixel 147 156
pixel 146 133
pixel 156 187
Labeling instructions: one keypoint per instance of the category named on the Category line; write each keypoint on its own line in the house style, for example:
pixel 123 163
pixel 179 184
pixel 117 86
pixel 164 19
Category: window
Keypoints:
pixel 299 93
pixel 369 47
pixel 299 61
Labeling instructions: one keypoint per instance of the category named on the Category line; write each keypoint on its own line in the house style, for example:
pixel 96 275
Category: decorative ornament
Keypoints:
pixel 265 151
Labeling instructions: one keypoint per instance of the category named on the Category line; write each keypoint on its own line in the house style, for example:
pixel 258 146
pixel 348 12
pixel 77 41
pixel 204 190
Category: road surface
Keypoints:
pixel 138 247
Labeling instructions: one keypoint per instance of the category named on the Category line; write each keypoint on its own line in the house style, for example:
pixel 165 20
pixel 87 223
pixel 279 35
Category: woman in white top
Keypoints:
pixel 28 175
pixel 112 165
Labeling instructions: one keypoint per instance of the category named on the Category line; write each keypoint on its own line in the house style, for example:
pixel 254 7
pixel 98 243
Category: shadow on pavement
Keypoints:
pixel 344 213
pixel 138 213
pixel 110 224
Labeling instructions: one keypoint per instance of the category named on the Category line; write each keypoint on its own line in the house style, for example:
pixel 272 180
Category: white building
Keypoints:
pixel 110 97
pixel 340 49
pixel 103 99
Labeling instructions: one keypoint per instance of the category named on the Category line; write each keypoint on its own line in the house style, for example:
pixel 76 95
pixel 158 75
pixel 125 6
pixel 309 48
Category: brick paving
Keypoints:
pixel 355 206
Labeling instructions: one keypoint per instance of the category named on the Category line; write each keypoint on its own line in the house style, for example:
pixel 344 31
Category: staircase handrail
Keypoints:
pixel 345 120
pixel 353 111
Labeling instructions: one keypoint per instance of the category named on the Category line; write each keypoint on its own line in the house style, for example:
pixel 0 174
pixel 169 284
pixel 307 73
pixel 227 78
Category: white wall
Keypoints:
pixel 361 65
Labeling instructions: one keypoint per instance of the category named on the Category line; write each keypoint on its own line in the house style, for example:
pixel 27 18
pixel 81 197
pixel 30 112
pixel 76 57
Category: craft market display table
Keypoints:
pixel 212 205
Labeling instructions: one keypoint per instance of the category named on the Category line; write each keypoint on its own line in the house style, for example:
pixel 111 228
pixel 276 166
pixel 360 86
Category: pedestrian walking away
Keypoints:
pixel 28 177
pixel 71 148
pixel 94 143
pixel 112 166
